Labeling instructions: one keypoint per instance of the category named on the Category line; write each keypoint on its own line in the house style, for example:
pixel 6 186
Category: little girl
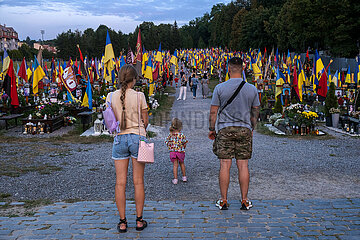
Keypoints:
pixel 176 142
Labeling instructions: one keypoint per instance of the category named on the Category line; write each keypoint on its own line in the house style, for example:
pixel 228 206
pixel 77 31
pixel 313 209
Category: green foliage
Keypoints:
pixel 287 24
pixel 278 108
pixel 331 99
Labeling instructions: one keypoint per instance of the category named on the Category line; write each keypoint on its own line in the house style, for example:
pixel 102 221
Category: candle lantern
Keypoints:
pixel 41 128
pixel 97 127
pixel 33 129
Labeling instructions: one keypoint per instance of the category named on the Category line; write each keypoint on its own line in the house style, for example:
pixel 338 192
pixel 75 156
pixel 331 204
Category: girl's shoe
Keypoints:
pixel 174 181
pixel 184 179
pixel 144 223
pixel 122 221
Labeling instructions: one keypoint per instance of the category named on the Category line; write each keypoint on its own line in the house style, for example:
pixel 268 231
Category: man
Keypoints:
pixel 235 122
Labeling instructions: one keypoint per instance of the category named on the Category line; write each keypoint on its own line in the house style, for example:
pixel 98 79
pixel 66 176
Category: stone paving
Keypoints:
pixel 268 219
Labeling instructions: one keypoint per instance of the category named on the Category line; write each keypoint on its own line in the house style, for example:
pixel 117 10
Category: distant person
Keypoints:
pixel 236 121
pixel 194 83
pixel 176 142
pixel 205 85
pixel 183 88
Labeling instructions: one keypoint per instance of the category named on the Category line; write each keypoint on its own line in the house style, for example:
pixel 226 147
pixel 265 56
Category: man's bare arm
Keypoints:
pixel 254 115
pixel 213 116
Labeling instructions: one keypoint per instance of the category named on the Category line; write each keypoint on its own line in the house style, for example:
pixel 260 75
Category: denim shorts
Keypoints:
pixel 126 146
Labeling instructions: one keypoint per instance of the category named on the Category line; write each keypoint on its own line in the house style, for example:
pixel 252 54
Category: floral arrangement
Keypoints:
pixel 334 110
pixel 307 118
pixel 275 117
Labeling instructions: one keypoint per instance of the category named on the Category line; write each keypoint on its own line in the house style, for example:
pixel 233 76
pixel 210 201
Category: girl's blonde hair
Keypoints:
pixel 176 125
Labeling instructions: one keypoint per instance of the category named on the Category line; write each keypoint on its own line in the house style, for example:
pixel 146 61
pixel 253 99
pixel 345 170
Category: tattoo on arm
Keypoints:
pixel 254 115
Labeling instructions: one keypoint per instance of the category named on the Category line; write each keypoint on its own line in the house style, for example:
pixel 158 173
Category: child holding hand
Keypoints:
pixel 176 142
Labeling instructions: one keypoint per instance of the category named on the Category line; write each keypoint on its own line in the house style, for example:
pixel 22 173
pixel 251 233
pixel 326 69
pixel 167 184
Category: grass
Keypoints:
pixel 4 196
pixel 161 115
pixel 213 81
pixel 151 134
pixel 15 169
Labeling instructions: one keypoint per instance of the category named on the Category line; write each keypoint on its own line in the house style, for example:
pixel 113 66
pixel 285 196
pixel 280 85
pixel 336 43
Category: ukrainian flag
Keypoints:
pixel 6 62
pixel 280 79
pixel 108 58
pixel 87 100
pixel 38 75
pixel 158 56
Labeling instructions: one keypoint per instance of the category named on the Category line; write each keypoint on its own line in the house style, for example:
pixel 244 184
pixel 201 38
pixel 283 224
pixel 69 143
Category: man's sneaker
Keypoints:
pixel 174 181
pixel 246 205
pixel 222 204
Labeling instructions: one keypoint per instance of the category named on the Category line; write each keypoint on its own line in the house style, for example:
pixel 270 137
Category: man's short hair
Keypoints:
pixel 236 64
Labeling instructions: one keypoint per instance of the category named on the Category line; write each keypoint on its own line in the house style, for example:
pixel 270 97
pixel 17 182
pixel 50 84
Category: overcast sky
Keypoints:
pixel 28 17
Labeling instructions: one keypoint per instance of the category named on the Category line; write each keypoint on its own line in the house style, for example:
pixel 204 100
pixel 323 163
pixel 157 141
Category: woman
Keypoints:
pixel 194 84
pixel 183 88
pixel 205 86
pixel 126 143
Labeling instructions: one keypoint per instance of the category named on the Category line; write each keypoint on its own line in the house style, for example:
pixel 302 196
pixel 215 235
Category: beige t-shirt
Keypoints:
pixel 131 110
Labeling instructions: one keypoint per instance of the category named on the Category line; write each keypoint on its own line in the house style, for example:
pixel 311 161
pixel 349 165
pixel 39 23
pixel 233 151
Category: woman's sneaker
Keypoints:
pixel 222 204
pixel 174 181
pixel 184 179
pixel 246 205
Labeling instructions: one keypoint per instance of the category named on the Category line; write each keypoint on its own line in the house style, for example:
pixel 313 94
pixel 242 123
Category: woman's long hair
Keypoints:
pixel 127 74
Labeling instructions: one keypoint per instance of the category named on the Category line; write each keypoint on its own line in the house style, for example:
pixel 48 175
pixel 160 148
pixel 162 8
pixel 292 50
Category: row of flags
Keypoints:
pixel 153 64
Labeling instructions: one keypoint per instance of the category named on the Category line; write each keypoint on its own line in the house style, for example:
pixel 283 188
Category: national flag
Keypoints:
pixel 158 56
pixel 335 78
pixel 307 55
pixel 13 89
pixel 38 75
pixel 295 83
pixel 6 62
pixel 280 79
pixel 301 80
pixel 22 70
pixel 319 67
pixel 348 76
pixel 357 71
pixel 148 70
pixel 87 100
pixel 138 55
pixel 323 87
pixel 108 58
pixel 173 59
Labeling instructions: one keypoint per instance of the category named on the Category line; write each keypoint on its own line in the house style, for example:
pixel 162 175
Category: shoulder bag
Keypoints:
pixel 146 150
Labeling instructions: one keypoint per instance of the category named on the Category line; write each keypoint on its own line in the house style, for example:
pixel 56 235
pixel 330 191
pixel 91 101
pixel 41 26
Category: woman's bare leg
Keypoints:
pixel 121 168
pixel 138 179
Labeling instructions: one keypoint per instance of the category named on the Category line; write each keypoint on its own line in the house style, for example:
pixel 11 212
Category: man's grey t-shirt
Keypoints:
pixel 237 113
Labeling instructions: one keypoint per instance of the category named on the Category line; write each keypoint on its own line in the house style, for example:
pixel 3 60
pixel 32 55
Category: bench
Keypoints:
pixel 7 118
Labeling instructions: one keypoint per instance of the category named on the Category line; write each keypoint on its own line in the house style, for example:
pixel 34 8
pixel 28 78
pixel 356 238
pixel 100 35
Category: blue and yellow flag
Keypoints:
pixel 158 56
pixel 38 75
pixel 348 76
pixel 87 100
pixel 6 62
pixel 108 59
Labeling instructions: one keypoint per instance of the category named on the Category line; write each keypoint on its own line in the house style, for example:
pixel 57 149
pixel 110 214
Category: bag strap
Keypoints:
pixel 110 99
pixel 139 112
pixel 233 96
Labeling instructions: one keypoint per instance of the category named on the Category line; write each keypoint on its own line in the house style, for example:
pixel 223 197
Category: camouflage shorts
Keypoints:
pixel 233 142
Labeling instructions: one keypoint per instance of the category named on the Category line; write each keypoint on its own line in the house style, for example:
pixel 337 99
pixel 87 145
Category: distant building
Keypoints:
pixel 8 38
pixel 47 47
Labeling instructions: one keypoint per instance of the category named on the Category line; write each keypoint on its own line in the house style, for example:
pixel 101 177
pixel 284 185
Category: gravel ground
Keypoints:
pixel 281 167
